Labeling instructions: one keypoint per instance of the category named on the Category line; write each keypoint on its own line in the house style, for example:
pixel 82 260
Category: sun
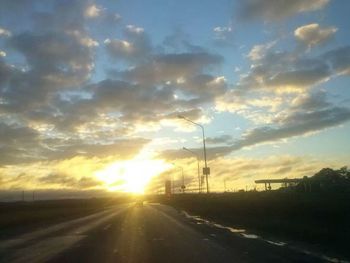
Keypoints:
pixel 131 176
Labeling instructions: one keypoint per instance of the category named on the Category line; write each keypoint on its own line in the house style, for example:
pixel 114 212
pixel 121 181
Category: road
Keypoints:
pixel 152 233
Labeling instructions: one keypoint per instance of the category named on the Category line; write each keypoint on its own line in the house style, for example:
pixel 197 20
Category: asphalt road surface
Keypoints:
pixel 152 233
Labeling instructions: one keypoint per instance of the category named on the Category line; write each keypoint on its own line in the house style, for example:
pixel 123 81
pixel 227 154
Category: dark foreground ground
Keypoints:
pixel 18 217
pixel 149 233
pixel 319 221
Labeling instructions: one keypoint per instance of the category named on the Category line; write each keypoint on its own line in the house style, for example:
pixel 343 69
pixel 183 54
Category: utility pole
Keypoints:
pixel 206 169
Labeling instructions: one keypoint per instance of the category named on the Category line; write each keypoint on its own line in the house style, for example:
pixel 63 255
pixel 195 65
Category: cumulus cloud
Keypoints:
pixel 259 51
pixel 4 32
pixel 92 11
pixel 20 144
pixel 313 34
pixel 273 10
pixel 137 45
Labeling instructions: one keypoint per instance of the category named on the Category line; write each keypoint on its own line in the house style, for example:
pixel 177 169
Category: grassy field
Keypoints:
pixel 319 219
pixel 17 217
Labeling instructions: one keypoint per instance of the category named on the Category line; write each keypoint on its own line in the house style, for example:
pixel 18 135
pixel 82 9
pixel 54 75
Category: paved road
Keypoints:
pixel 152 233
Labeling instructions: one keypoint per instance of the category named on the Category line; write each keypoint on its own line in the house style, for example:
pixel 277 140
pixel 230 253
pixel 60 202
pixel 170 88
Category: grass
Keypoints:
pixel 320 219
pixel 19 216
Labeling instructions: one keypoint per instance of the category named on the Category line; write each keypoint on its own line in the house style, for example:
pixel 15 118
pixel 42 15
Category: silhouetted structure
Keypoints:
pixel 326 179
pixel 284 181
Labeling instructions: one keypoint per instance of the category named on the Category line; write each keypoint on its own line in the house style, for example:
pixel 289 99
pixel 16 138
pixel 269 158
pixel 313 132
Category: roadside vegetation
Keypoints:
pixel 320 217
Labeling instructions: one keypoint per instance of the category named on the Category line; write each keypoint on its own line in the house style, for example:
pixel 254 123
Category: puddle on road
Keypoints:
pixel 250 236
pixel 242 233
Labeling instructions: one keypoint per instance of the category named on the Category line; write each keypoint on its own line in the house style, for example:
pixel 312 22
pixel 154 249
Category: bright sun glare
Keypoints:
pixel 131 176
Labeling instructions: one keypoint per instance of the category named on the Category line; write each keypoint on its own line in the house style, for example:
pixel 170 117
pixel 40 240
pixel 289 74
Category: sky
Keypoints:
pixel 91 91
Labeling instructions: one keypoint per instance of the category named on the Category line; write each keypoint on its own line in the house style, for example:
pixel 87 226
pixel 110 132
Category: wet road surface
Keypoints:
pixel 152 233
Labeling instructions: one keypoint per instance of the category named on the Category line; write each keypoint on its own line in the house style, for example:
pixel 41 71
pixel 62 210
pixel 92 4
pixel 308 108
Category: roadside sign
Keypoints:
pixel 206 170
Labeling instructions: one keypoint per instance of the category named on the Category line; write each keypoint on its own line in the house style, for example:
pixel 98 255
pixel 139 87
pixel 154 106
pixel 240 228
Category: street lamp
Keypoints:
pixel 206 169
pixel 199 177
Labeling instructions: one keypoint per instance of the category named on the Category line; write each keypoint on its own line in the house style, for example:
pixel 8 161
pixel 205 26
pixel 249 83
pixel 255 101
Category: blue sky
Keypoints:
pixel 99 84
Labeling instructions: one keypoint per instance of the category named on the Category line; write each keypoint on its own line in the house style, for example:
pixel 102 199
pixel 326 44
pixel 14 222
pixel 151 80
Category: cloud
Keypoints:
pixel 17 143
pixel 296 124
pixel 225 139
pixel 259 51
pixel 58 54
pixel 20 144
pixel 222 32
pixel 339 58
pixel 300 78
pixel 66 181
pixel 68 60
pixel 273 10
pixel 171 67
pixel 223 36
pixel 137 45
pixel 4 32
pixel 56 149
pixel 313 34
pixel 92 11
pixel 311 101
pixel 5 73
pixel 308 114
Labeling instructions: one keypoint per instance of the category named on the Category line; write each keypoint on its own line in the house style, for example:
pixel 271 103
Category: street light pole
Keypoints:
pixel 204 149
pixel 199 176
